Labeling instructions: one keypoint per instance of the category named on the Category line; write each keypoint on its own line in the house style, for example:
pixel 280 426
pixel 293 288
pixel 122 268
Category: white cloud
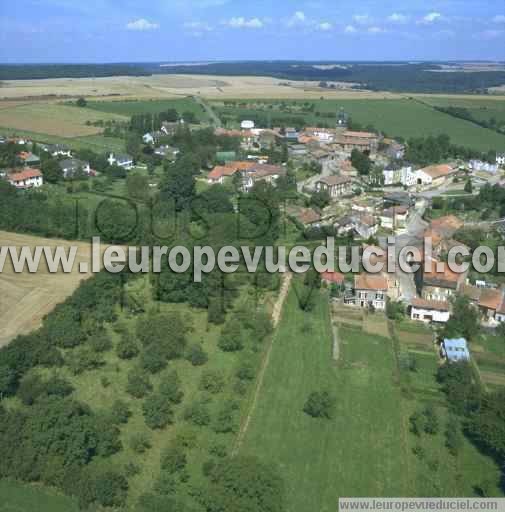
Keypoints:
pixel 499 18
pixel 398 18
pixel 431 17
pixel 298 18
pixel 350 29
pixel 142 25
pixel 376 30
pixel 241 22
pixel 362 19
pixel 325 26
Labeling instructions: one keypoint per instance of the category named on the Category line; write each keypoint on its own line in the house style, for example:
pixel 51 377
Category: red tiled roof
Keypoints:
pixel 430 304
pixel 220 171
pixel 438 171
pixel 333 277
pixel 491 299
pixel 25 175
pixel 370 282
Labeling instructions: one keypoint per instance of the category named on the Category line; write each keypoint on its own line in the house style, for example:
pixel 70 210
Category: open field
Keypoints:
pixel 53 119
pixel 26 298
pixel 16 497
pixel 396 117
pixel 323 459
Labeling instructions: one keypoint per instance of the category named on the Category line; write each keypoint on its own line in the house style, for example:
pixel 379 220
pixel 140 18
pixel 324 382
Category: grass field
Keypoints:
pixel 26 298
pixel 396 117
pixel 53 119
pixel 324 459
pixel 131 107
pixel 97 143
pixel 15 497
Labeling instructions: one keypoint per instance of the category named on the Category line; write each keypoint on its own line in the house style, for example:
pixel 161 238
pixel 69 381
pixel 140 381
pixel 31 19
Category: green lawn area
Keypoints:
pixel 366 449
pixel 131 107
pixel 16 497
pixel 97 143
pixel 395 117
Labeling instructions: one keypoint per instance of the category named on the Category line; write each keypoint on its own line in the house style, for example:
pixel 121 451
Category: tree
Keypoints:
pixel 453 437
pixel 395 310
pixel 111 489
pixel 431 420
pixel 140 442
pixel 231 339
pixel 212 381
pixel 196 355
pixel 81 102
pixel 464 321
pixel 244 483
pixel 138 384
pixel 127 347
pixel 198 413
pixel 157 411
pixel 468 186
pixel 120 412
pixel 417 423
pixel 320 404
pixel 173 459
pixel 51 170
pixel 361 162
pixel 320 199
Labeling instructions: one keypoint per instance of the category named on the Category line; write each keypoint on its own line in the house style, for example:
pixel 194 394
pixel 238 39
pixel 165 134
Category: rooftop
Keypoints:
pixel 26 174
pixel 370 282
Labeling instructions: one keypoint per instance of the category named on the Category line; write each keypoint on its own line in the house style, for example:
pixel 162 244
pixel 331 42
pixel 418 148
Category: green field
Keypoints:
pixel 97 143
pixel 131 107
pixel 15 497
pixel 366 449
pixel 396 117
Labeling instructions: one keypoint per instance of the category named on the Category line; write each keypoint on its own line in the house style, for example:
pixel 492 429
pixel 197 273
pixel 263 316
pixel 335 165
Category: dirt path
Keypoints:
pixel 210 112
pixel 276 316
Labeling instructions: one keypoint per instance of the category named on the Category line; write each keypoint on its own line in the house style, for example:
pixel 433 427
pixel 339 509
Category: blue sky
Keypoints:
pixel 192 30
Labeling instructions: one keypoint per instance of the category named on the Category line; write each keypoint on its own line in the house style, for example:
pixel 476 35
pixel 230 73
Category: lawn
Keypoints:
pixel 16 497
pixel 366 449
pixel 54 119
pixel 131 107
pixel 396 117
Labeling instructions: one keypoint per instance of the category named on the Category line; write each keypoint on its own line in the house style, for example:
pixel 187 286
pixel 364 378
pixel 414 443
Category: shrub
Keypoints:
pixel 138 384
pixel 140 442
pixel 319 404
pixel 197 413
pixel 120 412
pixel 173 459
pixel 157 411
pixel 196 355
pixel 127 347
pixel 212 381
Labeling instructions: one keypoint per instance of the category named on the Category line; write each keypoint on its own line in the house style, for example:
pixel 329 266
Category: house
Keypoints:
pixel 370 291
pixel 297 150
pixel 170 127
pixel 500 159
pixel 500 312
pixel 361 205
pixel 455 350
pixel 305 216
pixel 480 166
pixel 25 179
pixel 3 140
pixel 29 159
pixel 148 138
pixel 488 300
pixel 219 174
pixel 291 135
pixel 333 278
pixel 73 166
pixel 394 217
pixel 166 151
pixel 124 161
pixel 337 186
pixel 365 226
pixel 395 151
pixel 429 311
pixel 362 141
pixel 439 282
pixel 247 125
pixel 58 150
pixel 268 138
pixel 399 176
pixel 261 172
pixel 434 175
pixel 321 135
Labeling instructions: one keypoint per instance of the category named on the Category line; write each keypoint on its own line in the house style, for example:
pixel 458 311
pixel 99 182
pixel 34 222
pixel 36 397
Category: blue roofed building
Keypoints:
pixel 455 349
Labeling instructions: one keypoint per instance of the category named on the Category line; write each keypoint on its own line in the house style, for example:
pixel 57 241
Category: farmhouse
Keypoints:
pixel 434 175
pixel 336 186
pixel 429 311
pixel 261 172
pixel 124 161
pixel 399 176
pixel 333 278
pixel 370 291
pixel 365 226
pixel 25 179
pixel 73 166
pixel 220 173
pixel 58 150
pixel 439 284
pixel 455 350
pixel 305 216
pixel 363 141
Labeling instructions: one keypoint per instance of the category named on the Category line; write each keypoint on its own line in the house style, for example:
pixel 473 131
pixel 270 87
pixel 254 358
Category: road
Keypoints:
pixel 329 168
pixel 208 109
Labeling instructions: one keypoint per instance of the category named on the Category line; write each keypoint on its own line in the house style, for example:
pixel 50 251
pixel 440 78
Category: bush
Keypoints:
pixel 212 381
pixel 138 384
pixel 170 387
pixel 320 404
pixel 100 341
pixel 173 459
pixel 127 347
pixel 231 337
pixel 140 442
pixel 120 412
pixel 198 413
pixel 83 359
pixel 196 355
pixel 225 419
pixel 157 411
pixel 246 371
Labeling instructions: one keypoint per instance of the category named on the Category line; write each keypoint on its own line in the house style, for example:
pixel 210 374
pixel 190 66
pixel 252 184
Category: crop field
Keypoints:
pixel 395 117
pixel 53 119
pixel 131 107
pixel 323 459
pixel 16 497
pixel 26 298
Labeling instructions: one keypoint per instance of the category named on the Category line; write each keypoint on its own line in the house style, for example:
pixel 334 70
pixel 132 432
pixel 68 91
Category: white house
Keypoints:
pixel 500 159
pixel 434 174
pixel 247 125
pixel 429 311
pixel 479 165
pixel 58 150
pixel 370 291
pixel 148 138
pixel 124 161
pixel 403 176
pixel 25 179
pixel 71 166
pixel 394 217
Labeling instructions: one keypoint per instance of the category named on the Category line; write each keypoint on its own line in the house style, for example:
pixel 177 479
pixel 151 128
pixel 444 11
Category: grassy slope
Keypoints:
pixel 131 107
pixel 366 450
pixel 401 117
pixel 15 497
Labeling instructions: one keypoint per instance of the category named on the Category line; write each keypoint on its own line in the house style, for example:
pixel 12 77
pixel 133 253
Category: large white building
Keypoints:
pixel 404 176
pixel 25 179
pixel 430 311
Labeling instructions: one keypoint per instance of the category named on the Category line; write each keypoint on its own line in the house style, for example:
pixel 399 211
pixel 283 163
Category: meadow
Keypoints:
pixel 320 459
pixel 404 118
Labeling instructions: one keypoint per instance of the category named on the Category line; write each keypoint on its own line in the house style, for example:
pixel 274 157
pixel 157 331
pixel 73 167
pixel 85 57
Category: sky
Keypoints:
pixel 202 30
